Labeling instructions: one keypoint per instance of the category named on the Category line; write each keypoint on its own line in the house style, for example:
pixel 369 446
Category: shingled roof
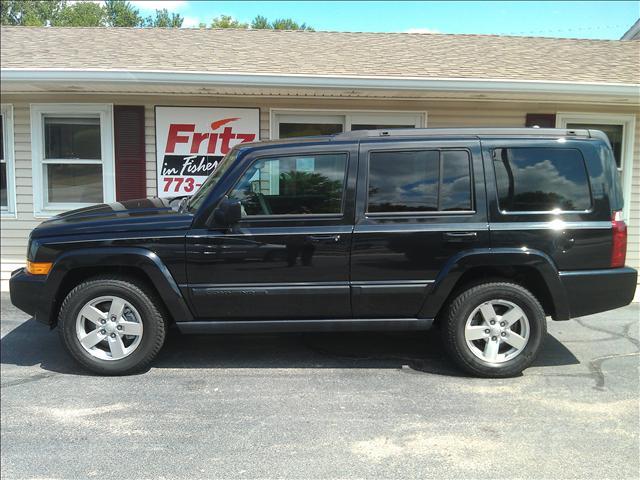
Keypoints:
pixel 322 53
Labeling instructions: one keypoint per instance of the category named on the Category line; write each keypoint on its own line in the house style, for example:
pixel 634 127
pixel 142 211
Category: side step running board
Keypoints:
pixel 293 326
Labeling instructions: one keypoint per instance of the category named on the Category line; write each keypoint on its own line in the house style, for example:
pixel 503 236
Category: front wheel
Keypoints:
pixel 494 329
pixel 111 326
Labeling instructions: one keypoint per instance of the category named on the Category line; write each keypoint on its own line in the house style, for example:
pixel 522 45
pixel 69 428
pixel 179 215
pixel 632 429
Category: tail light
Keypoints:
pixel 619 244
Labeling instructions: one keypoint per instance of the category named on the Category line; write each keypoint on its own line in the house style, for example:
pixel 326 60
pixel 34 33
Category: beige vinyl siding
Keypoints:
pixel 440 113
pixel 15 231
pixel 633 248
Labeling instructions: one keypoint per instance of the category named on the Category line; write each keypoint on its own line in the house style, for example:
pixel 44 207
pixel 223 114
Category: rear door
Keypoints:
pixel 418 204
pixel 552 196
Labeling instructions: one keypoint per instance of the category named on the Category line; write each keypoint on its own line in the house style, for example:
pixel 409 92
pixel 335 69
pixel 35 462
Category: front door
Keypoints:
pixel 418 205
pixel 288 258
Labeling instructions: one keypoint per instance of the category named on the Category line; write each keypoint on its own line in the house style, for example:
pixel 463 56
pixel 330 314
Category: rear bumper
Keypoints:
pixel 27 294
pixel 593 291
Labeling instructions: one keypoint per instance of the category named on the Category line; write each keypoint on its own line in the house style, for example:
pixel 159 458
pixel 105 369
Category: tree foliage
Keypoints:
pixel 118 13
pixel 61 13
pixel 259 23
pixel 227 21
pixel 81 14
pixel 289 24
pixel 164 19
pixel 32 13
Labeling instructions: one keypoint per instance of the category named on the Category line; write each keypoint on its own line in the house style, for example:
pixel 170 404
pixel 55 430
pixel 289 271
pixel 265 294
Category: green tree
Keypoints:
pixel 120 13
pixel 164 19
pixel 260 23
pixel 81 14
pixel 33 13
pixel 227 21
pixel 289 24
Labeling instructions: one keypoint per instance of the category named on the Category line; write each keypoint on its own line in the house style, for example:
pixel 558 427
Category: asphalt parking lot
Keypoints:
pixel 323 406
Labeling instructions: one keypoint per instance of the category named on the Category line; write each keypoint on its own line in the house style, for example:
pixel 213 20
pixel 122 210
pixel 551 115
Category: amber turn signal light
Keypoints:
pixel 39 268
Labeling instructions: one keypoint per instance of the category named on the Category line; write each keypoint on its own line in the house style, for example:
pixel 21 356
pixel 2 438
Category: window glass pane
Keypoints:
pixel 541 179
pixel 455 191
pixel 72 138
pixel 371 126
pixel 288 130
pixel 403 181
pixel 304 184
pixel 614 132
pixel 72 183
pixel 3 185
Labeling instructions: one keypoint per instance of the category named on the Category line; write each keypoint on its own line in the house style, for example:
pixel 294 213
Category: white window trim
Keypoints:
pixel 345 116
pixel 9 157
pixel 628 122
pixel 38 111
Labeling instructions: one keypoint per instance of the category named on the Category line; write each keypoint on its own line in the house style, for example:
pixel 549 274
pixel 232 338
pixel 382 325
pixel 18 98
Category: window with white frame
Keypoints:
pixel 297 123
pixel 7 172
pixel 620 129
pixel 72 148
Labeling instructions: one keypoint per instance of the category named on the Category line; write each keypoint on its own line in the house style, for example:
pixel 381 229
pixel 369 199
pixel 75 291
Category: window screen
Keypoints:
pixel 72 138
pixel 541 179
pixel 293 185
pixel 402 181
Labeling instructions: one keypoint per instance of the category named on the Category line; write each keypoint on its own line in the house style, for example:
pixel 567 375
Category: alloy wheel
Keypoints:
pixel 497 331
pixel 109 328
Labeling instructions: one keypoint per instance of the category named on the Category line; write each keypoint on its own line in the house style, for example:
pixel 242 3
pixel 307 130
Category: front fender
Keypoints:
pixel 129 257
pixel 457 265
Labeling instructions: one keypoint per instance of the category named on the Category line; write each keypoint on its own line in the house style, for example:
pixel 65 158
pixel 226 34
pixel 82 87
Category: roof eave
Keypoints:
pixel 9 77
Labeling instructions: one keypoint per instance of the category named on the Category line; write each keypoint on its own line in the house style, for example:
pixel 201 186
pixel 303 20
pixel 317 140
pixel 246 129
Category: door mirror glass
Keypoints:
pixel 228 213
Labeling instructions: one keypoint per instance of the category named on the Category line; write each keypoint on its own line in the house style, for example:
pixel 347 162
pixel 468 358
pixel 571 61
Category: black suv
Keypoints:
pixel 483 232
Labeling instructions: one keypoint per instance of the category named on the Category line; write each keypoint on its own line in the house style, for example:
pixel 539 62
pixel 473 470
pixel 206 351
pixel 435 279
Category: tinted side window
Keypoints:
pixel 293 185
pixel 403 181
pixel 455 192
pixel 541 179
pixel 419 181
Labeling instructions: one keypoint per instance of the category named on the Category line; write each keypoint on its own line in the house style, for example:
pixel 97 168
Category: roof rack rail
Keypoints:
pixel 472 132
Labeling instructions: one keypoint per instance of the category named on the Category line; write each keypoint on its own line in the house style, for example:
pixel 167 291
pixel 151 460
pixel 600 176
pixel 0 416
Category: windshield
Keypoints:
pixel 194 203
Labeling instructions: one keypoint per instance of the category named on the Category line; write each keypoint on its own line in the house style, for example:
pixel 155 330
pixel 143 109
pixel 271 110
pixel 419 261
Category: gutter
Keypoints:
pixel 20 76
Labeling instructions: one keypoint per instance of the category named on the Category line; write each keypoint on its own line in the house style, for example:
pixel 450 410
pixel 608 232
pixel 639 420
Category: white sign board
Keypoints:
pixel 191 141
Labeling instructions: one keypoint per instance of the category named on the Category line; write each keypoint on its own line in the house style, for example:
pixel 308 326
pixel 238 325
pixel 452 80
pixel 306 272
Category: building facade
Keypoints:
pixel 87 113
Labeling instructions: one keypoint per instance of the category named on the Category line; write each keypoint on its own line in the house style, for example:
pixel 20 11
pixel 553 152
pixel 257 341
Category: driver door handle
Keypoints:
pixel 324 238
pixel 460 236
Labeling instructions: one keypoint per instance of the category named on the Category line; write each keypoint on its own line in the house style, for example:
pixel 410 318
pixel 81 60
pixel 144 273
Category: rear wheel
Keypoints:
pixel 111 325
pixel 494 329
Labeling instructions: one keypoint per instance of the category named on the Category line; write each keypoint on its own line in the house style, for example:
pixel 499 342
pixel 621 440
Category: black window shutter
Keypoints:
pixel 542 120
pixel 131 177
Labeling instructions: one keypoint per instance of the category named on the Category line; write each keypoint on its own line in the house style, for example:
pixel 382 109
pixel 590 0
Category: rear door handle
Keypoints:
pixel 324 238
pixel 460 236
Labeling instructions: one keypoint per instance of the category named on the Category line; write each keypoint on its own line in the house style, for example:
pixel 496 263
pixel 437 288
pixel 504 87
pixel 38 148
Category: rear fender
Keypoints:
pixel 448 278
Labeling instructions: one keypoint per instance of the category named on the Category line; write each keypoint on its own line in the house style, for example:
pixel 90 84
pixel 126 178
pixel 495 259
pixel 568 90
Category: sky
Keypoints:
pixel 590 19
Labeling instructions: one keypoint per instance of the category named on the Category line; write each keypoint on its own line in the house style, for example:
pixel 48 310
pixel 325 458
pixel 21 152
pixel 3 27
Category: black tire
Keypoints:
pixel 145 302
pixel 462 306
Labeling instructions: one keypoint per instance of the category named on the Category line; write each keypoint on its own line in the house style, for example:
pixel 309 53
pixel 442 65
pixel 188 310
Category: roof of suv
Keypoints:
pixel 439 132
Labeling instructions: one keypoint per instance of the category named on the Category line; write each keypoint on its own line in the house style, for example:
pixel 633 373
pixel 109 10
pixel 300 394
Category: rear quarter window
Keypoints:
pixel 541 180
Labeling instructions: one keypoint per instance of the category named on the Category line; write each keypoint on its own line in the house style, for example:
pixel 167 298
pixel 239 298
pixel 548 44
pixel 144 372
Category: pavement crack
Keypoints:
pixel 595 367
pixel 32 378
pixel 624 335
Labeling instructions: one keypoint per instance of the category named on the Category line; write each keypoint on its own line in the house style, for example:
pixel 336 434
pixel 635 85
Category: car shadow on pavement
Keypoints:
pixel 32 344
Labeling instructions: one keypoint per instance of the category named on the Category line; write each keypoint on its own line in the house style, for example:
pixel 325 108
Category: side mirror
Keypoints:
pixel 228 213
